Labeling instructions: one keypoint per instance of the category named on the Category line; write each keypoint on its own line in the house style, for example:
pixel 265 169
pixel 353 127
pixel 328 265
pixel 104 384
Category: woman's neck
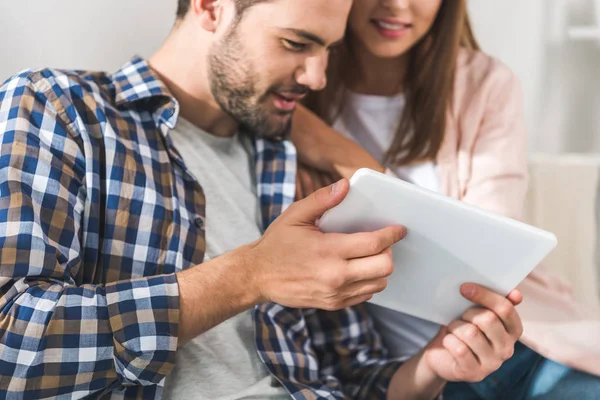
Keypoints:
pixel 374 75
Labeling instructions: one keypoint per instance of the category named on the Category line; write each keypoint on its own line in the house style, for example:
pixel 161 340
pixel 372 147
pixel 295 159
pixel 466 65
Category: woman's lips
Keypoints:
pixel 391 28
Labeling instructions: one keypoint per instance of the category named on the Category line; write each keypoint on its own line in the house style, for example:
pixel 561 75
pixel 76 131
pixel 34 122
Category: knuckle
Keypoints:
pixel 508 353
pixel 363 299
pixel 488 319
pixel 454 325
pixel 332 305
pixel 388 266
pixel 334 281
pixel 505 309
pixel 472 314
pixel 461 350
pixel 374 245
pixel 347 303
pixel 381 285
pixel 471 331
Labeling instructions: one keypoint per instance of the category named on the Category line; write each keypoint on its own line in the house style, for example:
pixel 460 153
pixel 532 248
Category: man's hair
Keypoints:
pixel 183 6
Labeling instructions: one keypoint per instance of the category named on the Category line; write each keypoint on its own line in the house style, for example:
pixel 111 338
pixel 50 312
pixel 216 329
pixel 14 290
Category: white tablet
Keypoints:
pixel 448 243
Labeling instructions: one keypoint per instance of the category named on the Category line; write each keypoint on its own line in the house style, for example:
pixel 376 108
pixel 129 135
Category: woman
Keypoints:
pixel 412 88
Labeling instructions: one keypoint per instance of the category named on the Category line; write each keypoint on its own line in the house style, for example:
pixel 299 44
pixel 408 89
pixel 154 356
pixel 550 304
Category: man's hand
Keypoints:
pixel 293 264
pixel 324 150
pixel 296 265
pixel 470 349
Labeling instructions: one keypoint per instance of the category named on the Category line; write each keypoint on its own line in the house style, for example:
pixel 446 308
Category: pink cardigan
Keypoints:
pixel 483 161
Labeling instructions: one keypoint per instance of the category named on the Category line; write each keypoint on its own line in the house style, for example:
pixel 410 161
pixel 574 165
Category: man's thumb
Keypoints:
pixel 311 208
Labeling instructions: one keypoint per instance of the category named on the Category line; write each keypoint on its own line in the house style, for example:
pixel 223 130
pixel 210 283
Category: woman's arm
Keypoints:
pixel 322 148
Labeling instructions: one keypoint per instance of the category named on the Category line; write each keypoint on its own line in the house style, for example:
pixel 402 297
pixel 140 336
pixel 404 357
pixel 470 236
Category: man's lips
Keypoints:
pixel 287 101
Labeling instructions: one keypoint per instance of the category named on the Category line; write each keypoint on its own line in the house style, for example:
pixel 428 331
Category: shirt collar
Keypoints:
pixel 136 81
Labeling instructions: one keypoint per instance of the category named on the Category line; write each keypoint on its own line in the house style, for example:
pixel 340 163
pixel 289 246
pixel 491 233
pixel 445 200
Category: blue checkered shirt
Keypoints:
pixel 98 213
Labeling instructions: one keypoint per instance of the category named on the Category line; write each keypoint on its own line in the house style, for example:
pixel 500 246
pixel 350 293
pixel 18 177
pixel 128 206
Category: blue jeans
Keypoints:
pixel 528 376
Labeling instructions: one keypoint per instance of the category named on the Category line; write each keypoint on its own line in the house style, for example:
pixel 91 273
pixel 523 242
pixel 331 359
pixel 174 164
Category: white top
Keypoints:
pixel 372 121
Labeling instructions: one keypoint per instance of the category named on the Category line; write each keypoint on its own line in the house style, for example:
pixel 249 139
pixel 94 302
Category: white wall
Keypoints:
pixel 83 34
pixel 559 75
pixel 511 30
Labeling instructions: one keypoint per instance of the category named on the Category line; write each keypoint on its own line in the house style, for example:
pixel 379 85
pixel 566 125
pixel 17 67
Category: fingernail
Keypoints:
pixel 404 233
pixel 336 187
pixel 468 290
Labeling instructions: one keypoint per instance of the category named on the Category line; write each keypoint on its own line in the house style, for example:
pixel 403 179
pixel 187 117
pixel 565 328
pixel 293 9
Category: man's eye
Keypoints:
pixel 294 46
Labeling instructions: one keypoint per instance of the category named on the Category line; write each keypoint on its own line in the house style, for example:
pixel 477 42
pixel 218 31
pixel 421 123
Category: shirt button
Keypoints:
pixel 199 223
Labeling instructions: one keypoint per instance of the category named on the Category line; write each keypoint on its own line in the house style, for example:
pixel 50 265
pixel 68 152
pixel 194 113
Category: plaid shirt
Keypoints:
pixel 97 215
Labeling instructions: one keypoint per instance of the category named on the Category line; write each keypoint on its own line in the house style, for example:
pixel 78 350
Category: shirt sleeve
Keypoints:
pixel 58 336
pixel 499 174
pixel 350 352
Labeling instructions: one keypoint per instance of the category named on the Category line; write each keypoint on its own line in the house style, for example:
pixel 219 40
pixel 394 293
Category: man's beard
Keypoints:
pixel 234 86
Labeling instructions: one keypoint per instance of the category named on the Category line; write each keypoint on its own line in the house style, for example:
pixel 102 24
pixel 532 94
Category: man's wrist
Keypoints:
pixel 242 265
pixel 215 291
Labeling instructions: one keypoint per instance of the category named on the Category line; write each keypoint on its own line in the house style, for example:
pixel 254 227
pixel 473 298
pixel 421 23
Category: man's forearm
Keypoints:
pixel 415 381
pixel 213 292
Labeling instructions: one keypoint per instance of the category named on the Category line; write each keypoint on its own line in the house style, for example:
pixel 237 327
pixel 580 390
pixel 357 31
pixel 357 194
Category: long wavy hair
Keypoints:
pixel 428 85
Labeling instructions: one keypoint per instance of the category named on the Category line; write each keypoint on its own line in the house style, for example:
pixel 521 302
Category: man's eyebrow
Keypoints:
pixel 312 37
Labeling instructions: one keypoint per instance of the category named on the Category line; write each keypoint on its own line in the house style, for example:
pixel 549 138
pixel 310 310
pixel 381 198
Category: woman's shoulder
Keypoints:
pixel 481 78
pixel 476 69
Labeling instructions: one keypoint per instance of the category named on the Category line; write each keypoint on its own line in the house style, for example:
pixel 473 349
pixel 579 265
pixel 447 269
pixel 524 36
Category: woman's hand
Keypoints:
pixel 470 349
pixel 467 350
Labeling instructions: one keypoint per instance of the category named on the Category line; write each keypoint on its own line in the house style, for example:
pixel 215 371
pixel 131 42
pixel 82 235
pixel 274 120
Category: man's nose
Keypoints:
pixel 313 73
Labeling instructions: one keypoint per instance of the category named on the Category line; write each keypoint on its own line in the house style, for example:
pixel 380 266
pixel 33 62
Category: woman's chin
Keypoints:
pixel 388 49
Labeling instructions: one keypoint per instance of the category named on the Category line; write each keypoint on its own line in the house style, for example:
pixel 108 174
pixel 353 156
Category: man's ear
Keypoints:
pixel 207 12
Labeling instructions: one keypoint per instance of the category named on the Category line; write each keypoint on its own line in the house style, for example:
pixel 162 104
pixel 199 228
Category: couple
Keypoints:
pixel 145 248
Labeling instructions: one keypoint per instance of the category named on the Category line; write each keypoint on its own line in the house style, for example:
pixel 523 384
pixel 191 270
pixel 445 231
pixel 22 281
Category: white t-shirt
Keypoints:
pixel 372 121
pixel 222 363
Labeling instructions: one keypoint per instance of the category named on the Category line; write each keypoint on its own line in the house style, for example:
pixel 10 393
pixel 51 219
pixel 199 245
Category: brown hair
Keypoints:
pixel 183 6
pixel 428 85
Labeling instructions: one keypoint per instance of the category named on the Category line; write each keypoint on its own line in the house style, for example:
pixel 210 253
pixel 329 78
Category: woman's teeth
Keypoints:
pixel 392 27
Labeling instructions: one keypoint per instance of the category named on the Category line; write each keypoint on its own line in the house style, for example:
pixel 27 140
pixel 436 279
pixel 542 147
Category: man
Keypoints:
pixel 132 209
